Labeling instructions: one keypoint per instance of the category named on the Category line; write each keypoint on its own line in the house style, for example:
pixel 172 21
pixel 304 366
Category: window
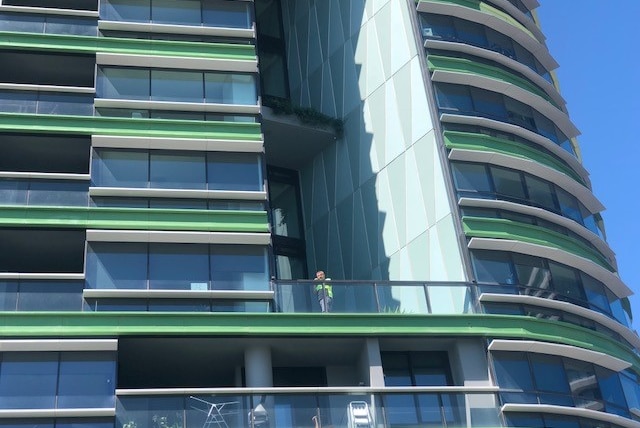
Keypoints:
pixel 470 178
pixel 176 86
pixel 178 267
pixel 50 380
pixel 542 278
pixel 548 379
pixel 177 170
pixel 209 13
pixel 197 267
pixel 508 183
pixel 87 380
pixel 28 380
pixel 493 267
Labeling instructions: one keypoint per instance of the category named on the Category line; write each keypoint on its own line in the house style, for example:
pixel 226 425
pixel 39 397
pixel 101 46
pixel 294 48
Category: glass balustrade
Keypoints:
pixel 355 409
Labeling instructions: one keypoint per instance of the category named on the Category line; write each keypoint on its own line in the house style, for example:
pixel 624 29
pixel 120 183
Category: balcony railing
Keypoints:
pixel 376 297
pixel 290 407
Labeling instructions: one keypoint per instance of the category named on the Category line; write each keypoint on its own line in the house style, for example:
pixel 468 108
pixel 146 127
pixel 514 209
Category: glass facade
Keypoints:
pixel 164 204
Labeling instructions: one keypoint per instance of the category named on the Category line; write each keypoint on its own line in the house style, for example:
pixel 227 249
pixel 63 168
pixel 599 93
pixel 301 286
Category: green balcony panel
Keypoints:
pixel 485 8
pixel 498 228
pixel 463 65
pixel 92 45
pixel 109 324
pixel 134 219
pixel 487 143
pixel 100 125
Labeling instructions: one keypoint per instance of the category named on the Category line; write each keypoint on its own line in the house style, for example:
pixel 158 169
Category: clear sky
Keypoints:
pixel 596 44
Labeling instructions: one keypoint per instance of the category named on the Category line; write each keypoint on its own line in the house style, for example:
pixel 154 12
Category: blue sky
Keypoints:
pixel 595 43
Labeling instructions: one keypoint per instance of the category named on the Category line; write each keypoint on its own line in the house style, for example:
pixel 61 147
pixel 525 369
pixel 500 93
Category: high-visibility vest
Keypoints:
pixel 328 288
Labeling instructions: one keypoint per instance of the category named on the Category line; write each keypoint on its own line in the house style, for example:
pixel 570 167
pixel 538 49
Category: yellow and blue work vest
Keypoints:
pixel 328 289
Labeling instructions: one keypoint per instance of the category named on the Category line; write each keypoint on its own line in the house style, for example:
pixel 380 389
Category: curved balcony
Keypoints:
pixel 439 63
pixel 465 48
pixel 496 228
pixel 482 13
pixel 484 143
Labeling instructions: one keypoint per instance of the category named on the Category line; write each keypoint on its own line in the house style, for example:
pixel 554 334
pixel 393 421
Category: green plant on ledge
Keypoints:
pixel 307 115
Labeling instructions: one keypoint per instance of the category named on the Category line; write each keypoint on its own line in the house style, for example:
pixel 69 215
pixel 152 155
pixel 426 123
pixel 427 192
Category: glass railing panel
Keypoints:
pixel 43 192
pixel 46 103
pixel 450 299
pixel 22 295
pixel 378 297
pixel 48 24
pixel 402 298
pixel 356 409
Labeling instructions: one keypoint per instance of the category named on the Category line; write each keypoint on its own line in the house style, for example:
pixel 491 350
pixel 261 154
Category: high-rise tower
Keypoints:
pixel 172 172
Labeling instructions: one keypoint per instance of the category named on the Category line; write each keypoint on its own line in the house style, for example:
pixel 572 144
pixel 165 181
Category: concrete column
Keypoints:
pixel 371 364
pixel 257 367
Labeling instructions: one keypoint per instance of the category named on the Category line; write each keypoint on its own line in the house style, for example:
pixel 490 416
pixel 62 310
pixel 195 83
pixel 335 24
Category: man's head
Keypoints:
pixel 320 274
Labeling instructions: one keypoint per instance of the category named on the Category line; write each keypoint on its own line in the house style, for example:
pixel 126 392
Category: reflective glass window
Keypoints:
pixel 472 177
pixel 230 88
pixel 28 380
pixel 126 10
pixel 176 85
pixel 569 206
pixel 508 183
pixel 8 295
pixel 541 192
pixel 87 380
pixel 437 26
pixel 565 281
pixel 123 83
pixel 454 97
pixel 234 14
pixel 239 268
pixel 234 171
pixel 284 209
pixel 193 204
pixel 116 265
pixel 21 22
pixel 470 32
pixel 71 25
pixel 185 12
pixel 595 293
pixel 500 43
pixel 610 386
pixel 548 372
pixel 58 193
pixel 490 104
pixel 13 192
pixel 172 170
pixel 18 102
pixel 83 423
pixel 583 383
pixel 545 126
pixel 493 267
pixel 520 114
pixel 512 370
pixel 178 267
pixel 50 296
pixel 531 271
pixel 120 168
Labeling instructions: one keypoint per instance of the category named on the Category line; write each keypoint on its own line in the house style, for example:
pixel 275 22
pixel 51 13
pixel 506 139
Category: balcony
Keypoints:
pixel 300 407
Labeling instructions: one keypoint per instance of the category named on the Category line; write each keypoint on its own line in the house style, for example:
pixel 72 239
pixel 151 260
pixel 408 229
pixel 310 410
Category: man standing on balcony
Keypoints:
pixel 324 291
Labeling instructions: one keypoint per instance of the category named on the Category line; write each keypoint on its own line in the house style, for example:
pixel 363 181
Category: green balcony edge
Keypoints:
pixel 498 228
pixel 111 324
pixel 92 45
pixel 463 65
pixel 134 219
pixel 486 143
pixel 118 126
pixel 485 8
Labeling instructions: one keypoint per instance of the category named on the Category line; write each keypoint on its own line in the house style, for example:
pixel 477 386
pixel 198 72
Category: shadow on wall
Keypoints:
pixel 342 221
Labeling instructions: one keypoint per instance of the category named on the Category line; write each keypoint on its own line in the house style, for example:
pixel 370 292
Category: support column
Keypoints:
pixel 257 367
